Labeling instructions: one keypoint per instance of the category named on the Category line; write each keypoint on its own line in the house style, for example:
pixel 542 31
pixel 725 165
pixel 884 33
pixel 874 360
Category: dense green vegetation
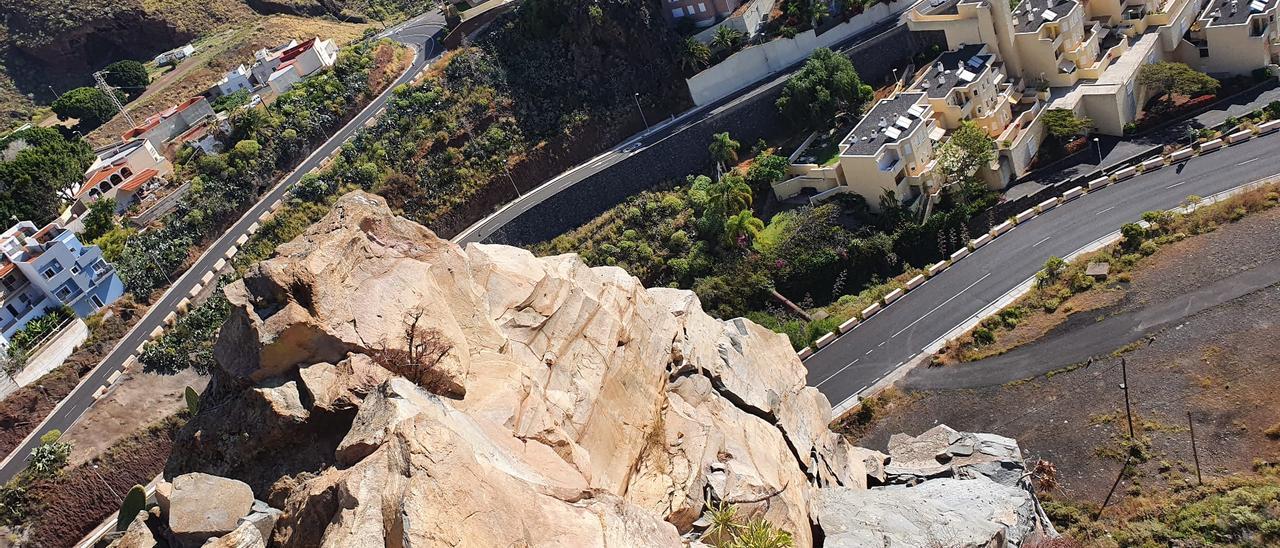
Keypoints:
pixel 32 334
pixel 267 141
pixel 36 166
pixel 189 343
pixel 90 106
pixel 129 76
pixel 825 86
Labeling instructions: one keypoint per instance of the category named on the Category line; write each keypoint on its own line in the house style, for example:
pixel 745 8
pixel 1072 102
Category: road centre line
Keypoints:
pixel 944 303
pixel 848 365
pixel 1046 238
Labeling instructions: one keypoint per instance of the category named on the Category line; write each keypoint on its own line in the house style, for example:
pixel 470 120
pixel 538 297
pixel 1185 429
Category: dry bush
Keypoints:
pixel 417 356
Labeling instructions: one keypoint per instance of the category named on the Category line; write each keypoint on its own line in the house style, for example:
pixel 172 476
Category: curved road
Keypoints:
pixel 419 33
pixel 898 334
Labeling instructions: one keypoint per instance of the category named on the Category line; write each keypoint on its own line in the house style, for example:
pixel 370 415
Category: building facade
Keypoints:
pixel 237 79
pixel 50 268
pixel 891 149
pixel 1233 37
pixel 159 129
pixel 123 172
pixel 703 13
pixel 300 61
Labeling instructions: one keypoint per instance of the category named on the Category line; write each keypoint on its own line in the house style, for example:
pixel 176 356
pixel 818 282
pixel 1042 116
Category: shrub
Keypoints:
pixel 1052 304
pixel 983 336
pixel 1148 248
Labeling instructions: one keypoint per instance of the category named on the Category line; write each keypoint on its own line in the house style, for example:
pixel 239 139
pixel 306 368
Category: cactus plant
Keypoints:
pixel 193 400
pixel 134 502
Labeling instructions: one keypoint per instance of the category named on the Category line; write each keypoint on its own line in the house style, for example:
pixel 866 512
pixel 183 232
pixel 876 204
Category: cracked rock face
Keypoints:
pixel 539 402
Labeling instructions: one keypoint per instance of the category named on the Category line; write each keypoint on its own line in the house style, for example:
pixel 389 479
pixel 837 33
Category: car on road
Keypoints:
pixel 632 147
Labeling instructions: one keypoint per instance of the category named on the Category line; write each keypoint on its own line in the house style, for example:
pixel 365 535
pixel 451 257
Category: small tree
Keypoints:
pixel 90 106
pixel 742 228
pixel 724 149
pixel 1062 123
pixel 765 170
pixel 128 75
pixel 1164 78
pixel 968 149
pixel 693 55
pixel 726 38
pixel 418 352
pixel 826 85
pixel 100 219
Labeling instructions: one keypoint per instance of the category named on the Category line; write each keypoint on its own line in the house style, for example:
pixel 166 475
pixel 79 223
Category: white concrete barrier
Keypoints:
pixel 1181 154
pixel 893 295
pixel 113 377
pixel 1046 205
pixel 1153 164
pixel 217 267
pixel 1126 173
pixel 804 353
pixel 242 239
pixel 100 392
pixel 980 241
pixel 933 270
pixel 848 325
pixel 1242 135
pixel 184 305
pixel 1001 228
pixel 869 311
pixel 208 277
pixel 915 282
pixel 1099 183
pixel 231 252
pixel 1025 216
pixel 1210 146
pixel 195 290
pixel 825 340
pixel 1268 127
pixel 1072 194
pixel 960 254
pixel 170 318
pixel 253 228
pixel 156 333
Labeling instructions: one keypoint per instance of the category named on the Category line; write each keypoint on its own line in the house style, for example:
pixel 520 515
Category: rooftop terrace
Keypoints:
pixel 1235 12
pixel 888 121
pixel 1030 15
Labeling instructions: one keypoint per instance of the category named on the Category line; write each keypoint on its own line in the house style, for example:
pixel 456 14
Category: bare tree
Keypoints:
pixel 423 349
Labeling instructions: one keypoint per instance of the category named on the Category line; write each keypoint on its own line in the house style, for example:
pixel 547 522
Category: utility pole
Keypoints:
pixel 1124 385
pixel 111 94
pixel 1194 453
pixel 642 117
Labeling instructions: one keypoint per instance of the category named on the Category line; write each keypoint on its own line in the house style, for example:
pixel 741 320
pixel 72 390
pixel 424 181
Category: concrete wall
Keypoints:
pixel 749 22
pixel 686 152
pixel 758 62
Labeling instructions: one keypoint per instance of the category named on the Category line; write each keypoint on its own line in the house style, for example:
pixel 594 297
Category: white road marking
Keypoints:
pixel 1046 238
pixel 841 370
pixel 1104 211
pixel 881 344
pixel 1176 184
pixel 1249 161
pixel 869 352
pixel 864 387
pixel 944 303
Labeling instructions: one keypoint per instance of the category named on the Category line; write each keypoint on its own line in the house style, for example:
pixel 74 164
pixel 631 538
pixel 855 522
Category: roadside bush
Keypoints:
pixel 983 336
pixel 1148 248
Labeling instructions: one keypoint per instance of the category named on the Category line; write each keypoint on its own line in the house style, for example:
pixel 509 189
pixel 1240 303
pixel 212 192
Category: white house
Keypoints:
pixel 301 61
pixel 49 268
pixel 174 55
pixel 236 79
pixel 123 172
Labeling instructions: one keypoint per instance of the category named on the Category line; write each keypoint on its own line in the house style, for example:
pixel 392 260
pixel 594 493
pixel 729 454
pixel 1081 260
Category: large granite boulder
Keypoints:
pixel 203 506
pixel 489 397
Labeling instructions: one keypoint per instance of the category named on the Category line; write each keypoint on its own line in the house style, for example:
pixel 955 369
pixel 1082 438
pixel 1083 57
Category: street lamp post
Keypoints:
pixel 641 110
pixel 94 469
pixel 1098 145
pixel 513 181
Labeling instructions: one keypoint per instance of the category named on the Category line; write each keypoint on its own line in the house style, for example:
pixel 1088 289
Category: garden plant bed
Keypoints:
pixel 1071 412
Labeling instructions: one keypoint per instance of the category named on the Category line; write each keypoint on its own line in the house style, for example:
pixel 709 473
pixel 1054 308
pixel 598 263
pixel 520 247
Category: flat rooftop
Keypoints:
pixel 1031 14
pixel 955 68
pixel 1235 12
pixel 898 119
pixel 938 7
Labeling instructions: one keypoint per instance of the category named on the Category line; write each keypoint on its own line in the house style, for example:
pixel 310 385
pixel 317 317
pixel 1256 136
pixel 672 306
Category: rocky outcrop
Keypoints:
pixel 489 397
pixel 203 506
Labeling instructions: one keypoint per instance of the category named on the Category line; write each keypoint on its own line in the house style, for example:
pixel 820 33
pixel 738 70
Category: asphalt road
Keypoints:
pixel 899 333
pixel 420 33
pixel 660 131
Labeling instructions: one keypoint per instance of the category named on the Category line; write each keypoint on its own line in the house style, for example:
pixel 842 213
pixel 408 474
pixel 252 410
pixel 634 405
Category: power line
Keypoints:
pixel 111 94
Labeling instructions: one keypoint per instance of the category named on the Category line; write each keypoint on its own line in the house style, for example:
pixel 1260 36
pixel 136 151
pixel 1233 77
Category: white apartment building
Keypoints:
pixel 1233 37
pixel 298 62
pixel 237 79
pixel 49 268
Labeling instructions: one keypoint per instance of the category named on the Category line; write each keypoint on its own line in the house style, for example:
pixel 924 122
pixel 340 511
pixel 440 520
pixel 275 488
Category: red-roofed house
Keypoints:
pixel 160 128
pixel 298 62
pixel 122 173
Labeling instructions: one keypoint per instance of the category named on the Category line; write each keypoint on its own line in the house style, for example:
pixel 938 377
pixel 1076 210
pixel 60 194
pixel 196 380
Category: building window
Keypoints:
pixel 75 270
pixel 10 281
pixel 52 269
pixel 677 12
pixel 12 311
pixel 1204 52
pixel 702 7
pixel 97 303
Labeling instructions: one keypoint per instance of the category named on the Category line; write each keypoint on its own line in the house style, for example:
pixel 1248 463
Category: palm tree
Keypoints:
pixel 730 194
pixel 724 149
pixel 742 228
pixel 726 37
pixel 694 55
